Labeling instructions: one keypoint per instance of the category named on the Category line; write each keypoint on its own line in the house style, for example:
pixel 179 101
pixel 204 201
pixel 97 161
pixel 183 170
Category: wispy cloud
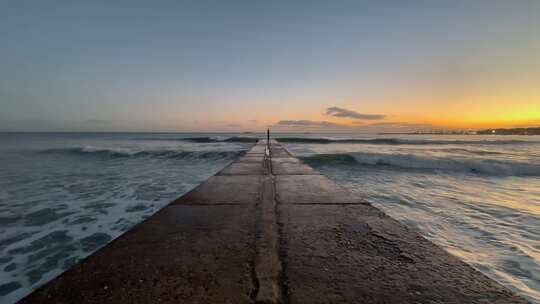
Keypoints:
pixel 327 126
pixel 364 123
pixel 306 123
pixel 341 112
pixel 403 124
pixel 312 125
pixel 233 125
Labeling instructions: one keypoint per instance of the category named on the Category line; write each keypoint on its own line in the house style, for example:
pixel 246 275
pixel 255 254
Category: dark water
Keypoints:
pixel 63 196
pixel 478 197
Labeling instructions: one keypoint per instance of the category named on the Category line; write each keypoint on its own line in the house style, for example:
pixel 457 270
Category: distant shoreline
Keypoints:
pixel 499 131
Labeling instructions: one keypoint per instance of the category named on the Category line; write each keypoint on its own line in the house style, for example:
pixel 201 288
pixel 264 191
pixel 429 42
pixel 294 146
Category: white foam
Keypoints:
pixel 72 182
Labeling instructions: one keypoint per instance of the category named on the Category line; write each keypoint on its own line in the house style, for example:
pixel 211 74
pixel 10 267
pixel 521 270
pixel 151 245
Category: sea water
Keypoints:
pixel 65 195
pixel 478 197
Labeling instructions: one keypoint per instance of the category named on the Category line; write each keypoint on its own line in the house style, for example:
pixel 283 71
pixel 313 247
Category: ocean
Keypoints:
pixel 65 195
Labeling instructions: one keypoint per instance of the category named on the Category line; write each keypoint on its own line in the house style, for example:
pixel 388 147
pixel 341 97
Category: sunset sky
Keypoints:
pixel 244 65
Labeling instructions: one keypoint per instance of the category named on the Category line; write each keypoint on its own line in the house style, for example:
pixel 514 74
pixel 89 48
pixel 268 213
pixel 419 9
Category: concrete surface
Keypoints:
pixel 224 189
pixel 271 231
pixel 244 168
pixel 183 254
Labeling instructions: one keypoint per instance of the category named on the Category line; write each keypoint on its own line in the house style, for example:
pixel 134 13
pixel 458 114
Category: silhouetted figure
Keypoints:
pixel 267 149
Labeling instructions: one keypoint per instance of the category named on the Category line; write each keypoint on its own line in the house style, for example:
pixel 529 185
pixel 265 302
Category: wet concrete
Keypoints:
pixel 271 231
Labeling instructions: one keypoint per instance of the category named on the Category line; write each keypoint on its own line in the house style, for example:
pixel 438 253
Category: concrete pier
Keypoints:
pixel 271 230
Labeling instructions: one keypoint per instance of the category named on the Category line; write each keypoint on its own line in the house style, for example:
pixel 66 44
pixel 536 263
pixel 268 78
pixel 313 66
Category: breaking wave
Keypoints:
pixel 396 141
pixel 205 139
pixel 131 153
pixel 323 140
pixel 416 162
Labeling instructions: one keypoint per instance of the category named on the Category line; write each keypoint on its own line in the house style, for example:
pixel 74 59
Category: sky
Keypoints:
pixel 357 66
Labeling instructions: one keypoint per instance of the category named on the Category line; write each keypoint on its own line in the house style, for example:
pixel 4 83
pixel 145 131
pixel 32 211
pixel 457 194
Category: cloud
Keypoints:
pixel 312 125
pixel 307 123
pixel 404 124
pixel 253 120
pixel 233 125
pixel 380 127
pixel 341 112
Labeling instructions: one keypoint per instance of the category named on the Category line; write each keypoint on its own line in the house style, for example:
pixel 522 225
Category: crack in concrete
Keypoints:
pixel 267 265
pixel 332 204
pixel 282 253
pixel 212 204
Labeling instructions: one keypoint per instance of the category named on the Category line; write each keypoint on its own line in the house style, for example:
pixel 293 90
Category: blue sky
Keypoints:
pixel 244 65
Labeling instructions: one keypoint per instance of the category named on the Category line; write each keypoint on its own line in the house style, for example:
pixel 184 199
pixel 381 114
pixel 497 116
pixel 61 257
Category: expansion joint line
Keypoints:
pixel 267 265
